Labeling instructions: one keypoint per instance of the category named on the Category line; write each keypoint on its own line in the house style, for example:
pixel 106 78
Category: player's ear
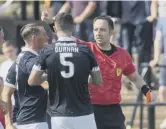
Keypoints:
pixel 112 32
pixel 33 38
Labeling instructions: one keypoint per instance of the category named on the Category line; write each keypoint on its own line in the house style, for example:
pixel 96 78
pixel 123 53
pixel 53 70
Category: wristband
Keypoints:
pixel 145 89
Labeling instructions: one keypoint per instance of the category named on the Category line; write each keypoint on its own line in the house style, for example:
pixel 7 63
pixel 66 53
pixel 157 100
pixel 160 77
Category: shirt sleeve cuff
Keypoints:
pixel 127 73
pixel 96 69
pixel 37 68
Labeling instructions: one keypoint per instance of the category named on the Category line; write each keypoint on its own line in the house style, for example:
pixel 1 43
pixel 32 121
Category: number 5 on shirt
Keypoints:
pixel 66 63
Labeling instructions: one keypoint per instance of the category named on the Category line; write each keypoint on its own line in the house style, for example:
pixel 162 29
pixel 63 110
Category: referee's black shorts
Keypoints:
pixel 109 116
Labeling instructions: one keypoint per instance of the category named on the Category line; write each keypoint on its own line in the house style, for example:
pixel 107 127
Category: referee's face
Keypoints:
pixel 101 31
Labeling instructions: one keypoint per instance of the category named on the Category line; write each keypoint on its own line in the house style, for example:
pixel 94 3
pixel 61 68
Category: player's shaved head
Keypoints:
pixel 63 22
pixel 30 30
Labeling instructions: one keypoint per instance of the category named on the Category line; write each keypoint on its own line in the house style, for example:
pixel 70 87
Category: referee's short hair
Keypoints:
pixel 64 22
pixel 108 19
pixel 29 30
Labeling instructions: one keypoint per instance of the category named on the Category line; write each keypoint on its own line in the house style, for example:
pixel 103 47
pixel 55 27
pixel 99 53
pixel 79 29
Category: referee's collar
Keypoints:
pixel 30 50
pixel 66 39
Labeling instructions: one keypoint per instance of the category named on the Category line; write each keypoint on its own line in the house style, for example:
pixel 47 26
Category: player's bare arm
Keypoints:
pixel 138 81
pixel 37 78
pixel 6 97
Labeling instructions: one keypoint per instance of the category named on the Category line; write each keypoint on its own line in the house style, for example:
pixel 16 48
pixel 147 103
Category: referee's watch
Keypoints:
pixel 149 94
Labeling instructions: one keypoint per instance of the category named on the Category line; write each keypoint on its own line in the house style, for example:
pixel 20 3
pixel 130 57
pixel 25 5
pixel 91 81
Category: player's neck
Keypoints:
pixel 32 48
pixel 61 34
pixel 105 46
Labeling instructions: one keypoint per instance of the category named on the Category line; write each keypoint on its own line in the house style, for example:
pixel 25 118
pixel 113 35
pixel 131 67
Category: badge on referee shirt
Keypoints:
pixel 118 71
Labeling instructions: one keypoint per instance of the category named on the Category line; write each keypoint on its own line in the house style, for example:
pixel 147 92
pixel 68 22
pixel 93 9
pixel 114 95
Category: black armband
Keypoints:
pixel 145 89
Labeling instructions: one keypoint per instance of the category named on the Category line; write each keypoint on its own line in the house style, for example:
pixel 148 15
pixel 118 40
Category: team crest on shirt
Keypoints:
pixel 118 71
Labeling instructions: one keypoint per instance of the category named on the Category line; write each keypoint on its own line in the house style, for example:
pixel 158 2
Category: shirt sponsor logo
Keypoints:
pixel 118 71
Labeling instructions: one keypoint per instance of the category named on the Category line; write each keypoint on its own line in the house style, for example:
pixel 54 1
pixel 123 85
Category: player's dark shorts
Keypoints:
pixel 109 116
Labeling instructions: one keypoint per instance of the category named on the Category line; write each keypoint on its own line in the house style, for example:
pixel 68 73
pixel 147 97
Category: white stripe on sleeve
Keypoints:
pixel 96 68
pixel 37 68
pixel 9 85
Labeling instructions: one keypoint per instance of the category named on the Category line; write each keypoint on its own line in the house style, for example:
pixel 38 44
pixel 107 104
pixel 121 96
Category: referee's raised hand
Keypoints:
pixel 45 15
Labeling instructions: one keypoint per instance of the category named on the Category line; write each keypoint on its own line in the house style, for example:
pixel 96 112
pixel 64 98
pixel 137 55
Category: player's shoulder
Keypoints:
pixel 12 67
pixel 90 45
pixel 79 41
pixel 20 56
pixel 47 48
pixel 27 55
pixel 82 44
pixel 85 48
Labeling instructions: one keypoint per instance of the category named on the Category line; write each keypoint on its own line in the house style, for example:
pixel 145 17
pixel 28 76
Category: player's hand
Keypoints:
pixel 45 15
pixel 78 19
pixel 10 127
pixel 150 18
pixel 3 105
pixel 153 63
pixel 150 97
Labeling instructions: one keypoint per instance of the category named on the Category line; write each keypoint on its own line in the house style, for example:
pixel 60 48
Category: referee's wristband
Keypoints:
pixel 145 89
